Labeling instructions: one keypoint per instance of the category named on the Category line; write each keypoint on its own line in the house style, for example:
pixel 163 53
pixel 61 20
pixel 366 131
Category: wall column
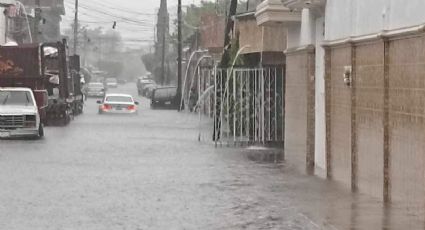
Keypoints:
pixel 328 111
pixel 386 170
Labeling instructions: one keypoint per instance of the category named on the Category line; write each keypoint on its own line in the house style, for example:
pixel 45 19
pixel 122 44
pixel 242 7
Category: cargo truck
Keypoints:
pixel 45 70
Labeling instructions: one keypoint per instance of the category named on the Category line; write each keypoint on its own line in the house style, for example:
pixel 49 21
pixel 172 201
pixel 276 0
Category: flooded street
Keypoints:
pixel 149 172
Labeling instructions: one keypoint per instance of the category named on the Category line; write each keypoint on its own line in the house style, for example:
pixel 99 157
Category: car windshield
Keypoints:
pixel 118 99
pixel 95 85
pixel 111 80
pixel 16 98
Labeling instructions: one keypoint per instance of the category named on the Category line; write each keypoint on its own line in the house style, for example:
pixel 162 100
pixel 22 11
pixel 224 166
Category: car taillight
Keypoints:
pixel 131 107
pixel 106 107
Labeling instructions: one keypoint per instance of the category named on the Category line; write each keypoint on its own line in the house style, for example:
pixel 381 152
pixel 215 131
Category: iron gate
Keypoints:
pixel 246 104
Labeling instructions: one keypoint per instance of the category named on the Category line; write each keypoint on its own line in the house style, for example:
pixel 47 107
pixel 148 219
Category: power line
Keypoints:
pixel 106 14
pixel 112 15
pixel 117 7
pixel 122 9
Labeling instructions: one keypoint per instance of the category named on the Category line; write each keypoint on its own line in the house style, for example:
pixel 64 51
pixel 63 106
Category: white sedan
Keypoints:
pixel 118 103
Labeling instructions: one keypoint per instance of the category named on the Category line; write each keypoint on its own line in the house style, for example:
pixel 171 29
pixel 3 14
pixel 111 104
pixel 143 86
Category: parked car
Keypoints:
pixel 95 89
pixel 149 90
pixel 141 83
pixel 117 103
pixel 19 114
pixel 163 97
pixel 111 83
pixel 146 88
pixel 122 81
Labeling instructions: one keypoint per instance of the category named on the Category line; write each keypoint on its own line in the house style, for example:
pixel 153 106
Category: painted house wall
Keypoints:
pixel 403 14
pixel 302 34
pixel 345 18
pixel 294 32
pixel 308 28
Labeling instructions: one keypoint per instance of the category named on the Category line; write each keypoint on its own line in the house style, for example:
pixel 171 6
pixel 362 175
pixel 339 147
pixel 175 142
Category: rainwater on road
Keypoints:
pixel 150 172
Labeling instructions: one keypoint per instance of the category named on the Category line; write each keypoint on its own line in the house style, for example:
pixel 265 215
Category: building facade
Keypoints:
pixel 6 6
pixel 355 91
pixel 45 17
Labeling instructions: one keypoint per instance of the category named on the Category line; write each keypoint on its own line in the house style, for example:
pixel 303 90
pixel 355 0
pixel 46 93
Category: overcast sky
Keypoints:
pixel 142 13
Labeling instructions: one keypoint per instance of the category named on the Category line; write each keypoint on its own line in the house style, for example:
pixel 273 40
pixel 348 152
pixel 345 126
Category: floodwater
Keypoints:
pixel 150 172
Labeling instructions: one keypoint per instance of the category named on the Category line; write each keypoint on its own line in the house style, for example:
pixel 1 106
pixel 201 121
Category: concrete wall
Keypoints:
pixel 294 34
pixel 346 18
pixel 302 34
pixel 320 130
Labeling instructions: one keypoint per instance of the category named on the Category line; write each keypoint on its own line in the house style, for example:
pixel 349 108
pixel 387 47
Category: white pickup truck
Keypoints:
pixel 19 114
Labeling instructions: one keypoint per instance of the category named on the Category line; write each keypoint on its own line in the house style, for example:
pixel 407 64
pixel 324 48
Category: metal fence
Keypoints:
pixel 246 105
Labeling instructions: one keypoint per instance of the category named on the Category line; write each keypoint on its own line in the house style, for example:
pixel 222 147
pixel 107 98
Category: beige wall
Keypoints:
pixel 260 39
pixel 340 111
pixel 299 120
pixel 376 127
pixel 212 29
pixel 369 113
pixel 406 119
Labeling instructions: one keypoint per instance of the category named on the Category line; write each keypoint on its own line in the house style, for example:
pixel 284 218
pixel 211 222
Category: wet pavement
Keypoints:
pixel 150 172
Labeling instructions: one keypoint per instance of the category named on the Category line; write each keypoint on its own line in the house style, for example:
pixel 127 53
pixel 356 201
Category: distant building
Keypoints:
pixel 50 18
pixel 211 33
pixel 5 6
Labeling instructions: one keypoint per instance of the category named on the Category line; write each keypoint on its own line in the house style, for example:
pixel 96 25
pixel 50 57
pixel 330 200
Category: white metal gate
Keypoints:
pixel 246 105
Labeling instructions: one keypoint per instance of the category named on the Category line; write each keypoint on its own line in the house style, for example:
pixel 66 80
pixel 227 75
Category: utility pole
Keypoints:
pixel 37 15
pixel 163 55
pixel 76 27
pixel 229 27
pixel 179 51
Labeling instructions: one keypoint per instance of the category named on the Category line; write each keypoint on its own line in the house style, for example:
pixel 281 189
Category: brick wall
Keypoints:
pixel 369 109
pixel 299 121
pixel 376 127
pixel 340 112
pixel 406 119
